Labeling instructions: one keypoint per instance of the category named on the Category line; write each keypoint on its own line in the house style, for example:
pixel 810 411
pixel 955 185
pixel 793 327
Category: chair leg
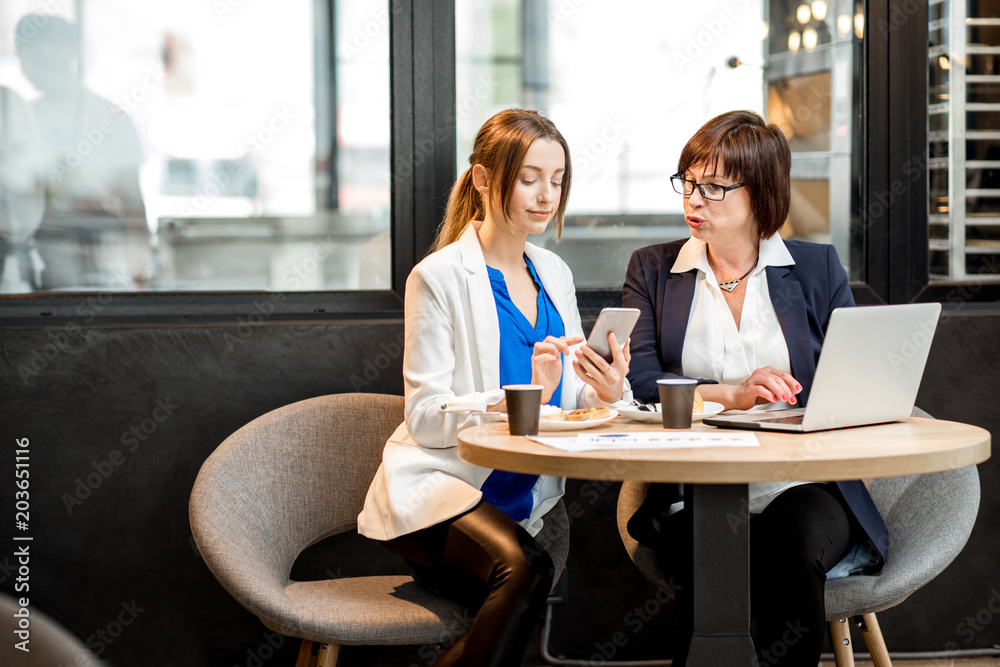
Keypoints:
pixel 328 655
pixel 306 657
pixel 840 641
pixel 875 641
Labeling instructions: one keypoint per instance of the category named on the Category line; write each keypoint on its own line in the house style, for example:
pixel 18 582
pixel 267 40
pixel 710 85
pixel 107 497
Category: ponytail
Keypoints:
pixel 464 204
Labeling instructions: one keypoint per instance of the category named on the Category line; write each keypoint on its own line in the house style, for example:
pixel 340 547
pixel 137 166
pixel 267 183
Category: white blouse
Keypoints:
pixel 715 349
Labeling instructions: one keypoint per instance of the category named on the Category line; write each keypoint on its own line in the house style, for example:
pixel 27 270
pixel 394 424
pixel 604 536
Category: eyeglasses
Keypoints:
pixel 710 191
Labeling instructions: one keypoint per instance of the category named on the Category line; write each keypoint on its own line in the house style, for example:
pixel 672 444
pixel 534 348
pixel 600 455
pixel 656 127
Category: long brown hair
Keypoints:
pixel 500 147
pixel 752 151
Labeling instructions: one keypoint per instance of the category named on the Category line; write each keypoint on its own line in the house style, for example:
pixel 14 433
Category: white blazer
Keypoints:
pixel 452 353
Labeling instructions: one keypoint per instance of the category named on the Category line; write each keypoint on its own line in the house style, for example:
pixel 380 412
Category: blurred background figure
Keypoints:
pixel 94 231
pixel 22 195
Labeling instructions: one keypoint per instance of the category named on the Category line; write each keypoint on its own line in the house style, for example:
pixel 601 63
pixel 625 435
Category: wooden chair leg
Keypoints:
pixel 874 640
pixel 840 641
pixel 328 655
pixel 306 657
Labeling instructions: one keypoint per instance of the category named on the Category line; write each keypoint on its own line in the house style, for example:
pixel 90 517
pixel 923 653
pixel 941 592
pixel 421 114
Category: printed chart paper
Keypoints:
pixel 585 442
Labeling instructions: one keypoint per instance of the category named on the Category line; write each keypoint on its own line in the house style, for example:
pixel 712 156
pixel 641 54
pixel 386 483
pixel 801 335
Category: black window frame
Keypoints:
pixel 892 117
pixel 422 154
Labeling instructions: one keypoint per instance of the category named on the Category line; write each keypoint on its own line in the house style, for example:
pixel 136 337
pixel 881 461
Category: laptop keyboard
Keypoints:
pixel 794 419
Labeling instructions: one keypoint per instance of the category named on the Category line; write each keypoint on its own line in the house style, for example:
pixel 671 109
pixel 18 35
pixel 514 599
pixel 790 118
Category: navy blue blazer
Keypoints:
pixel 804 295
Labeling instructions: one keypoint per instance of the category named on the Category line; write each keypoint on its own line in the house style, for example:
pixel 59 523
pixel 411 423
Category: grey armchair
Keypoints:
pixel 287 480
pixel 929 518
pixel 49 642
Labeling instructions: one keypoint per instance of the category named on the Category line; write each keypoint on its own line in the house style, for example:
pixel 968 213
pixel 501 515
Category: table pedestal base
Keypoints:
pixel 715 650
pixel 721 576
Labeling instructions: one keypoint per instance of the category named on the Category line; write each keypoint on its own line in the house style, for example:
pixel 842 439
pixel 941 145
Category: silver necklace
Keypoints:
pixel 730 285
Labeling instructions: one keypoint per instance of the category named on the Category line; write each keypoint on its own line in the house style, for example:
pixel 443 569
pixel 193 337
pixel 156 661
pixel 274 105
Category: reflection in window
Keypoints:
pixel 813 79
pixel 801 25
pixel 964 140
pixel 626 109
pixel 800 106
pixel 194 146
pixel 626 88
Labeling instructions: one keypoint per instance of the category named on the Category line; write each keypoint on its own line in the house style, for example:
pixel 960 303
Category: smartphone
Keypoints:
pixel 617 320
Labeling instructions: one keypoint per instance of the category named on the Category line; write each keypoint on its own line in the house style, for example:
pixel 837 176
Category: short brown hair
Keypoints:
pixel 500 146
pixel 751 151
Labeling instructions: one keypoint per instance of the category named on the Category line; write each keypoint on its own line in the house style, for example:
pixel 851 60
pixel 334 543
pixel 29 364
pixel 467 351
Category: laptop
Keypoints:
pixel 868 372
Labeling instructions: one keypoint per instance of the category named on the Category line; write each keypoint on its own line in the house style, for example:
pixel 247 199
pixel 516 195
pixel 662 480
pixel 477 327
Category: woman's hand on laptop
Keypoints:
pixel 765 385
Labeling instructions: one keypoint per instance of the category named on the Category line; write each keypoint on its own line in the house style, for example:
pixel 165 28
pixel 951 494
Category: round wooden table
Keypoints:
pixel 719 480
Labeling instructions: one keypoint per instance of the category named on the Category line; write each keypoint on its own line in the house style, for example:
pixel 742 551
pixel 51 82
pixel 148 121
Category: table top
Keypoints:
pixel 910 447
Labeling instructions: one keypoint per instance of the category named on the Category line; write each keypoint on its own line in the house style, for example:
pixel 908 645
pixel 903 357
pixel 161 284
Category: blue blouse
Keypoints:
pixel 508 491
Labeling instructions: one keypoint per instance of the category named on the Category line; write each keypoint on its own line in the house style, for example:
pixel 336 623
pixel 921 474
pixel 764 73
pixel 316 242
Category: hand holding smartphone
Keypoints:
pixel 619 321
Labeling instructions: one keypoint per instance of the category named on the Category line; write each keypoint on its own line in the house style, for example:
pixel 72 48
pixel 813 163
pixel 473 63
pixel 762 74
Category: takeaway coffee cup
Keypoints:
pixel 524 403
pixel 677 402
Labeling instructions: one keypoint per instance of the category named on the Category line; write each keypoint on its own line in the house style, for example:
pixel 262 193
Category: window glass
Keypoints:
pixel 800 25
pixel 190 146
pixel 964 140
pixel 626 105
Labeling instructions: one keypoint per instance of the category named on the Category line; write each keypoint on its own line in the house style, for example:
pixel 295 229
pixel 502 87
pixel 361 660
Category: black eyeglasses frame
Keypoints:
pixel 701 189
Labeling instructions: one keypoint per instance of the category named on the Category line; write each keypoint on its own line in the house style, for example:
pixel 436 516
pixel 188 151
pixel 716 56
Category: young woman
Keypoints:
pixel 486 309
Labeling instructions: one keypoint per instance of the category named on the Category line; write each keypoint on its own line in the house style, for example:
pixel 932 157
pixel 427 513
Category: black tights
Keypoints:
pixel 484 559
pixel 798 537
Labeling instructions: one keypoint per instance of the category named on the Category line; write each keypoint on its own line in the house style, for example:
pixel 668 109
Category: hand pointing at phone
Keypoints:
pixel 546 362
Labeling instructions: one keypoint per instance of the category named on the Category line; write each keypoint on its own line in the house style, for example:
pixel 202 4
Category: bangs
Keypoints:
pixel 731 149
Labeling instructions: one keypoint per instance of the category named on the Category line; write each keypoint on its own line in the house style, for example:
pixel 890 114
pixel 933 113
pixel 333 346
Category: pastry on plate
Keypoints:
pixel 581 415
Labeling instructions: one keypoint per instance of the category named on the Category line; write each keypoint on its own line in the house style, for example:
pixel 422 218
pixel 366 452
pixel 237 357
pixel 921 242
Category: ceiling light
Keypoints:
pixel 809 39
pixel 843 25
pixel 794 41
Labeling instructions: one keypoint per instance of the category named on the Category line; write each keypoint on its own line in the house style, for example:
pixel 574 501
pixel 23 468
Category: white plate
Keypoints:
pixel 544 410
pixel 549 425
pixel 633 412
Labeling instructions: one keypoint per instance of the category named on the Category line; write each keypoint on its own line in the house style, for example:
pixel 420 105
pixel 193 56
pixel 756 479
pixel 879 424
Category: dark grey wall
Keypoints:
pixel 120 419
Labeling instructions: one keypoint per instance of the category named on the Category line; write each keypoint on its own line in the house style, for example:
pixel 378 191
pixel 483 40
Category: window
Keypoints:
pixel 193 146
pixel 627 86
pixel 626 105
pixel 814 94
pixel 964 140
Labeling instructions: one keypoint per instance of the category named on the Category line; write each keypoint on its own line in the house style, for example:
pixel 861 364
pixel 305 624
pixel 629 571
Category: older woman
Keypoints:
pixel 744 313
